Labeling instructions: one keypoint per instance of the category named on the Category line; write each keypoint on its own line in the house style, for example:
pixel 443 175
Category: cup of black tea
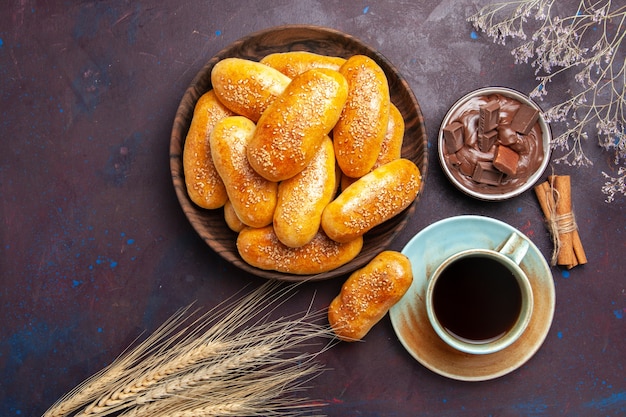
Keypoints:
pixel 480 301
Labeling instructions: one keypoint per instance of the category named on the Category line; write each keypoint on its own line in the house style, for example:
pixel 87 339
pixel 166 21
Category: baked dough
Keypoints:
pixel 371 200
pixel 204 185
pixel 391 147
pixel 361 129
pixel 291 130
pixel 247 87
pixel 252 196
pixel 294 63
pixel 303 197
pixel 368 294
pixel 261 248
pixel 232 220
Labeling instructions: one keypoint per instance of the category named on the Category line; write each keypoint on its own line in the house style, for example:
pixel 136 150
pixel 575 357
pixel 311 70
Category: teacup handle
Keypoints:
pixel 515 247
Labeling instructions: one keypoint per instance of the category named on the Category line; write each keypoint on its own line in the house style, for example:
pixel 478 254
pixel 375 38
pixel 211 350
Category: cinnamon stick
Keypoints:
pixel 555 200
pixel 563 201
pixel 579 251
pixel 545 197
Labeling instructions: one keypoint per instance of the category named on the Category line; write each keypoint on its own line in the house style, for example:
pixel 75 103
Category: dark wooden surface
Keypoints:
pixel 95 247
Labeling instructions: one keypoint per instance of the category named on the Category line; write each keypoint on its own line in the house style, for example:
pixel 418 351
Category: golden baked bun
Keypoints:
pixel 252 196
pixel 391 147
pixel 204 185
pixel 261 248
pixel 361 129
pixel 371 200
pixel 294 63
pixel 303 197
pixel 368 294
pixel 291 130
pixel 232 220
pixel 247 87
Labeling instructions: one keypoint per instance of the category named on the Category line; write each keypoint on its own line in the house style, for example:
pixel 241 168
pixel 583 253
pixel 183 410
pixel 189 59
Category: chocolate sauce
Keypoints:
pixel 463 162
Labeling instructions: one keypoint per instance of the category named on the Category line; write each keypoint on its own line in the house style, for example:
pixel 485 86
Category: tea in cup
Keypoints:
pixel 480 301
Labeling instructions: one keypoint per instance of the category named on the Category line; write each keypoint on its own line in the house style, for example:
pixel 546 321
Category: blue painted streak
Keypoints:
pixel 532 408
pixel 614 402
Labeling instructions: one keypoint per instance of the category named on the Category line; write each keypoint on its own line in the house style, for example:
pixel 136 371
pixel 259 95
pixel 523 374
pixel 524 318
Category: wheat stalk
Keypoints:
pixel 233 394
pixel 236 352
pixel 193 347
pixel 97 384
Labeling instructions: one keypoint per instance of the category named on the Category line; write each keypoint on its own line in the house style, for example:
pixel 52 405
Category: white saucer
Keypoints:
pixel 427 250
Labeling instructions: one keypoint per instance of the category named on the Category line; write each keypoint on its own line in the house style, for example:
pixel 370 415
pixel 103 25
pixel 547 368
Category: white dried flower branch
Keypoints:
pixel 587 42
pixel 614 185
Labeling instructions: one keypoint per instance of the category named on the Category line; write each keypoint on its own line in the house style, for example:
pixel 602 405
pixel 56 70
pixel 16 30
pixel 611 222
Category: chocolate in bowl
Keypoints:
pixel 532 148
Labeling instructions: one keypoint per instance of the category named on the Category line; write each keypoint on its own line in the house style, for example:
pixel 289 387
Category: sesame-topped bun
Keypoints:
pixel 371 200
pixel 252 196
pixel 291 130
pixel 247 87
pixel 360 131
pixel 204 185
pixel 261 248
pixel 368 294
pixel 294 63
pixel 303 197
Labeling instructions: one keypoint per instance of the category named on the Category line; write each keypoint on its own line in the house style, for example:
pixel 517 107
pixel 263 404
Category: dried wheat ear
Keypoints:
pixel 235 360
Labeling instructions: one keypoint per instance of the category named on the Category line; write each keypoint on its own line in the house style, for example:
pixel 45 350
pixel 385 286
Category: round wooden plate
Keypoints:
pixel 210 224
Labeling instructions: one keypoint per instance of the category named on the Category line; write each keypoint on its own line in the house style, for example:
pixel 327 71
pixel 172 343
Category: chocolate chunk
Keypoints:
pixel 486 140
pixel 506 160
pixel 489 116
pixel 486 173
pixel 453 137
pixel 524 119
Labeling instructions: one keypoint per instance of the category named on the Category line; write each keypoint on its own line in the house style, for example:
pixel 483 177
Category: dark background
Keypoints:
pixel 95 248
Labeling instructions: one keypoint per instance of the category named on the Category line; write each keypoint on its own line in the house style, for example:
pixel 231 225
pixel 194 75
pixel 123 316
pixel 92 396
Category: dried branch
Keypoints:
pixel 588 42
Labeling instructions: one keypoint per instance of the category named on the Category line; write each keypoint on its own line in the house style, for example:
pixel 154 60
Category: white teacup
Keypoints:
pixel 480 301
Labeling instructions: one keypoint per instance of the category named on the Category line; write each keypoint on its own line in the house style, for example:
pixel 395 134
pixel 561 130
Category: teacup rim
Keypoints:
pixel 518 327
